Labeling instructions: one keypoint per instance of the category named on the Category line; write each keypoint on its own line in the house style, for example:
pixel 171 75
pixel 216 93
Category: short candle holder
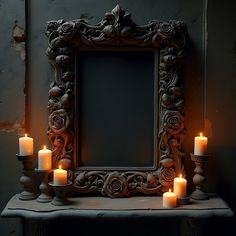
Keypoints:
pixel 183 200
pixel 44 187
pixel 60 191
pixel 26 179
pixel 199 177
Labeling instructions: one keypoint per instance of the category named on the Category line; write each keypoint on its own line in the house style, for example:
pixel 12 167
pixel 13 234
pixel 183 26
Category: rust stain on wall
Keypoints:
pixel 12 127
pixel 18 34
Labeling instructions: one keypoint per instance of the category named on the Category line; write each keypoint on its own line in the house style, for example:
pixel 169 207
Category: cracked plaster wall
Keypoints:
pixel 12 105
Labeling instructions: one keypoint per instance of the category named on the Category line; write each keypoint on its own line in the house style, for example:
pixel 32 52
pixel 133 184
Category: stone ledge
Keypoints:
pixel 101 207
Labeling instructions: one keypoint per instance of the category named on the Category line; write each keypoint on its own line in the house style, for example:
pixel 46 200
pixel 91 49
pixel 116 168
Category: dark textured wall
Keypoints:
pixel 12 107
pixel 220 102
pixel 210 93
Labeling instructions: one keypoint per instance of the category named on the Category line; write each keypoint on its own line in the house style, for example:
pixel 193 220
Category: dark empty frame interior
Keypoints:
pixel 116 107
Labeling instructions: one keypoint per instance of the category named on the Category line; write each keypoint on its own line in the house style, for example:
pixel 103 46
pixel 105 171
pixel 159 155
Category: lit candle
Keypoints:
pixel 59 176
pixel 44 159
pixel 169 199
pixel 26 146
pixel 200 145
pixel 180 185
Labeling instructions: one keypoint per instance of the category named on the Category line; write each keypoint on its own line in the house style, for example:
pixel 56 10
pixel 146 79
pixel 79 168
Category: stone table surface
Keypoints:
pixel 102 207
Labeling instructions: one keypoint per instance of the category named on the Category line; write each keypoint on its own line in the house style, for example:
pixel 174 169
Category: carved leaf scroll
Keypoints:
pixel 117 30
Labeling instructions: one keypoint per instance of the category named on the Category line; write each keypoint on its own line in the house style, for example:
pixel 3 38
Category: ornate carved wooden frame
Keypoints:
pixel 117 30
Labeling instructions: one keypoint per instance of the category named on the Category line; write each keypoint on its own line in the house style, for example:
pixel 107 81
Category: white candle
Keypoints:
pixel 59 176
pixel 169 199
pixel 26 146
pixel 200 145
pixel 44 159
pixel 180 186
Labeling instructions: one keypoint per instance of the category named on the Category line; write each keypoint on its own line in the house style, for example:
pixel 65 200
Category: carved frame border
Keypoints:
pixel 117 30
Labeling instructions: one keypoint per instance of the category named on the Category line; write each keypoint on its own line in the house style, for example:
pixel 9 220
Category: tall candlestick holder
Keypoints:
pixel 26 179
pixel 44 186
pixel 199 177
pixel 60 191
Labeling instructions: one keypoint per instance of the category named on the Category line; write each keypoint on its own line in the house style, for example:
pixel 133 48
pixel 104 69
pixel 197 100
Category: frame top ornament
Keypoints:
pixel 117 31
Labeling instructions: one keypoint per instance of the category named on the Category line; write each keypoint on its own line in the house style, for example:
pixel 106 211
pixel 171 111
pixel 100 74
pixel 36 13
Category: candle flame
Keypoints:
pixel 26 135
pixel 180 175
pixel 59 166
pixel 200 134
pixel 169 190
pixel 44 147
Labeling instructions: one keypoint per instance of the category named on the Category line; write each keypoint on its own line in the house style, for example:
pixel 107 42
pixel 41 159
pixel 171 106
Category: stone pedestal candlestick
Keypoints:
pixel 44 187
pixel 60 191
pixel 199 177
pixel 26 179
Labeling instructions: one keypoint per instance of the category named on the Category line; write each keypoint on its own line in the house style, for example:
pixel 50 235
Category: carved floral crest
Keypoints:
pixel 117 29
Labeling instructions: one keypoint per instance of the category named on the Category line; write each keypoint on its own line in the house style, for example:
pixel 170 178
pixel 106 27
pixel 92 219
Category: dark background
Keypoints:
pixel 209 87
